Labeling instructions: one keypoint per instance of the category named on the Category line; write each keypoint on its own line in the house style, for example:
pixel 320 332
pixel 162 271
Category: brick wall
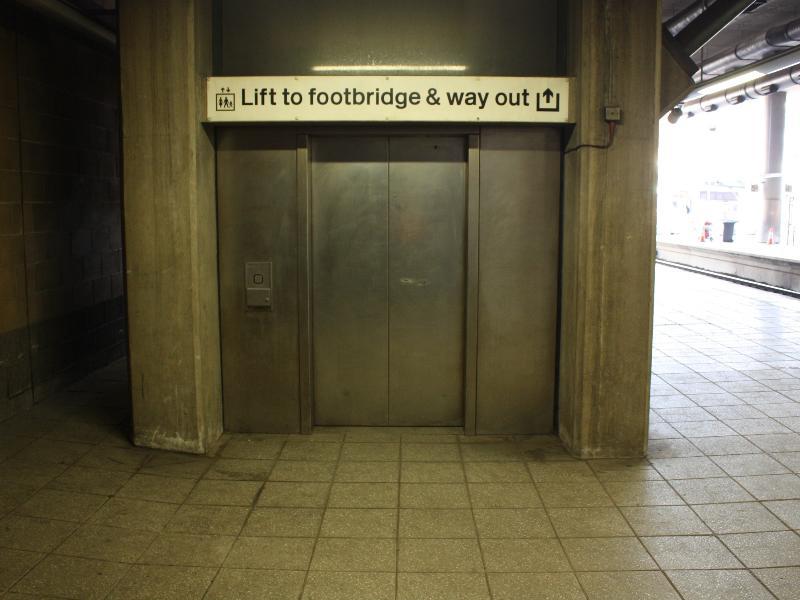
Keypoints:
pixel 61 285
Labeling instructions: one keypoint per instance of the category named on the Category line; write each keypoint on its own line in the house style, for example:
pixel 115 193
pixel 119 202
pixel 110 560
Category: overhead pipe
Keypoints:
pixel 679 22
pixel 69 17
pixel 773 40
pixel 713 20
pixel 776 82
pixel 764 67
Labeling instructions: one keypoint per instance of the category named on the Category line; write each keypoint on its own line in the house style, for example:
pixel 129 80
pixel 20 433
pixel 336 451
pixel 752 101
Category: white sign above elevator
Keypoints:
pixel 378 98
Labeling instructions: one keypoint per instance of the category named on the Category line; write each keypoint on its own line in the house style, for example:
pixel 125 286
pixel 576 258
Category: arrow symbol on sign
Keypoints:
pixel 548 95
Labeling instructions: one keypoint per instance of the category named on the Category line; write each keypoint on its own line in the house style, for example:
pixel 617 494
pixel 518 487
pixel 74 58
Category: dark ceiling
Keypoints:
pixel 758 18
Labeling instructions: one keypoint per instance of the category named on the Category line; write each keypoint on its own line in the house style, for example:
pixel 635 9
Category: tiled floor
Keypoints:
pixel 428 514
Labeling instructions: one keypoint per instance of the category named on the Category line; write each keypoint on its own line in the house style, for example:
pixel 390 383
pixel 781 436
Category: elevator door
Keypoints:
pixel 388 238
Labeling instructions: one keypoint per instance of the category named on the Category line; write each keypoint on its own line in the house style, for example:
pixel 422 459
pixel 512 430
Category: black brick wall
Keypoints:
pixel 62 309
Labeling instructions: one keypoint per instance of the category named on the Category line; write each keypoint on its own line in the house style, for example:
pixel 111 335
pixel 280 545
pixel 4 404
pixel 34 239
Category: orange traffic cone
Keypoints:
pixel 771 236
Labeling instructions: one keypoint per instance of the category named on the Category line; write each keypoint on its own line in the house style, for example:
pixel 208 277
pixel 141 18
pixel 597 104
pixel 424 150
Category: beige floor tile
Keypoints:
pixel 672 448
pixel 434 495
pixel 504 495
pixel 363 495
pixel 359 523
pixel 13 495
pixel 113 458
pixel 738 465
pixel 224 493
pixel 252 447
pixel 293 494
pixel 759 550
pixel 695 467
pixel 313 451
pixel 690 552
pixel 783 582
pixel 107 543
pixel 697 429
pixel 176 464
pixel 330 585
pixel 512 523
pixel 445 472
pixel 442 586
pixel 772 487
pixel 288 470
pixel 664 520
pixel 12 444
pixel 36 535
pixel 90 481
pixel 791 460
pixel 436 523
pixel 707 491
pixel 156 488
pixel 543 448
pixel 589 522
pixel 371 452
pixel 293 554
pixel 707 585
pixel 15 471
pixel 61 505
pixel 787 511
pixel 214 520
pixel 627 585
pixel 560 471
pixel 251 584
pixel 642 493
pixel 429 438
pixel 239 469
pixel 283 522
pixel 374 435
pixel 14 564
pixel 739 517
pixel 587 494
pixel 53 452
pixel 624 470
pixel 319 434
pixel 607 554
pixel 524 555
pixel 71 577
pixel 491 452
pixel 187 550
pixel 338 554
pixel 777 442
pixel 134 514
pixel 429 452
pixel 725 445
pixel 158 582
pixel 756 426
pixel 439 556
pixel 368 472
pixel 735 412
pixel 535 586
pixel 496 472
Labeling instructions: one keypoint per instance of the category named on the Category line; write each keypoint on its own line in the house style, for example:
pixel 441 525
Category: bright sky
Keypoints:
pixel 724 147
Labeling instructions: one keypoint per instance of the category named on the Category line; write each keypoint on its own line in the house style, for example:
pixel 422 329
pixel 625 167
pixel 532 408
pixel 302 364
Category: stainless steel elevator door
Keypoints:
pixel 388 237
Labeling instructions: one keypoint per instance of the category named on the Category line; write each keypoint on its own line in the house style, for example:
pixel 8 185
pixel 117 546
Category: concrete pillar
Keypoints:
pixel 609 229
pixel 773 182
pixel 170 224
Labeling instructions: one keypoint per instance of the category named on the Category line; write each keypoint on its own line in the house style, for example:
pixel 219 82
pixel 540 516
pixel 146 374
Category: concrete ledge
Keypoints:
pixel 776 271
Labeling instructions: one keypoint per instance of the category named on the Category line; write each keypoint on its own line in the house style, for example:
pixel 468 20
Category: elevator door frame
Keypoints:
pixel 305 268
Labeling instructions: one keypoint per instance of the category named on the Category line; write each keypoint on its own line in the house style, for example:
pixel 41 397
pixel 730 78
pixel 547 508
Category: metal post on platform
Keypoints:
pixel 773 178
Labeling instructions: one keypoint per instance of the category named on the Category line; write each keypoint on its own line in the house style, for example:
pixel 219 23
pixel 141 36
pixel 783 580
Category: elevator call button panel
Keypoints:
pixel 258 284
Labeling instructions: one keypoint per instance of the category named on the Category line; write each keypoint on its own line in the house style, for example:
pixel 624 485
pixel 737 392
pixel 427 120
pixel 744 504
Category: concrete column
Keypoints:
pixel 170 224
pixel 773 182
pixel 609 229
